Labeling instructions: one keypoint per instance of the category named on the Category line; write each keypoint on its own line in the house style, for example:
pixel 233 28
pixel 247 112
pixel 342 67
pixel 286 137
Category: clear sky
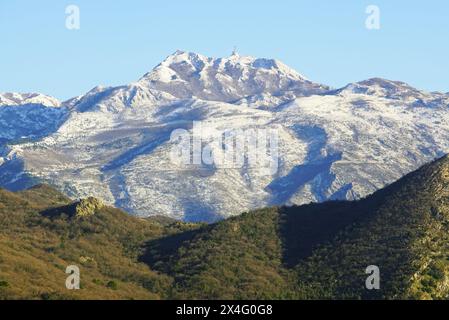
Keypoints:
pixel 119 40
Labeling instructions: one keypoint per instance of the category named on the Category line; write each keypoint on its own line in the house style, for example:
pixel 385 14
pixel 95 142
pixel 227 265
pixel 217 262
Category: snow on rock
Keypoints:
pixel 189 75
pixel 17 99
pixel 28 116
pixel 113 143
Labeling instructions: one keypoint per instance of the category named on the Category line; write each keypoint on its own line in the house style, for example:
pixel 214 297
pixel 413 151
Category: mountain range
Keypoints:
pixel 313 251
pixel 113 143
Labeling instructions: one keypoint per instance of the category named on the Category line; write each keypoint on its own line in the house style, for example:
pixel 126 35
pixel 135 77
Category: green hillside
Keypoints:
pixel 321 251
pixel 40 235
pixel 313 251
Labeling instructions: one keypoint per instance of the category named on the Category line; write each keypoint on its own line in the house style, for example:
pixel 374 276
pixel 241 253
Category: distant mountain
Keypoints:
pixel 114 142
pixel 395 90
pixel 18 99
pixel 28 116
pixel 189 75
pixel 314 251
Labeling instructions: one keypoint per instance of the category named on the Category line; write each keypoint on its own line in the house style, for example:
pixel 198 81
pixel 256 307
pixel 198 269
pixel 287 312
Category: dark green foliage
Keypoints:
pixel 321 251
pixel 112 285
pixel 36 247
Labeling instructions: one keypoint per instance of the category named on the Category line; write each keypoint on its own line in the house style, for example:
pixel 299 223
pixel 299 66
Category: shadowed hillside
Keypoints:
pixel 40 236
pixel 322 250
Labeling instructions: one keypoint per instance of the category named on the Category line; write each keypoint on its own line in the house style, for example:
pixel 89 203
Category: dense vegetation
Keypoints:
pixel 307 252
pixel 40 236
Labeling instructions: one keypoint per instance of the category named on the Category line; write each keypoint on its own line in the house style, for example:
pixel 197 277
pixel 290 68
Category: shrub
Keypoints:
pixel 112 285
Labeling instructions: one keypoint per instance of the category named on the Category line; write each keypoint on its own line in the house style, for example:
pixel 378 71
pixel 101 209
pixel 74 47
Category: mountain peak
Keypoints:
pixel 191 75
pixel 183 56
pixel 385 88
pixel 200 61
pixel 16 99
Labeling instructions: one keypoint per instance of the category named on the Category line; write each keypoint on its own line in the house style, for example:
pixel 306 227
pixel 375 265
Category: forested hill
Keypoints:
pixel 306 252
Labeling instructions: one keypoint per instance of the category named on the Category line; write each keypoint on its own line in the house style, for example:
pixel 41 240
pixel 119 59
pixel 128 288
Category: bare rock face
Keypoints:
pixel 87 207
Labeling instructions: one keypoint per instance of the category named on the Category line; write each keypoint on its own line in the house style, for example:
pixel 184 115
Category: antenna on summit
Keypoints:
pixel 234 52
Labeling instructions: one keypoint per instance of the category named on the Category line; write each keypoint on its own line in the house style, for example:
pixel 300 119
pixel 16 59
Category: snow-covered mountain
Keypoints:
pixel 17 99
pixel 28 116
pixel 190 75
pixel 114 142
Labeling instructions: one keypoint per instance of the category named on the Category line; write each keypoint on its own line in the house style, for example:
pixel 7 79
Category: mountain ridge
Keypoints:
pixel 321 251
pixel 182 56
pixel 114 142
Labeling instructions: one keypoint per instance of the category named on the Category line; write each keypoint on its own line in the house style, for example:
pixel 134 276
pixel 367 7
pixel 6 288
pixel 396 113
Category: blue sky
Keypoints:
pixel 326 40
